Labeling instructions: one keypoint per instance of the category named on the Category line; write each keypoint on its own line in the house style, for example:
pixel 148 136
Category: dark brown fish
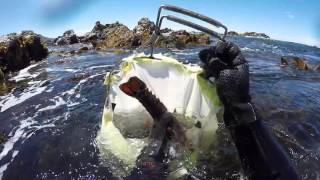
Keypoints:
pixel 137 88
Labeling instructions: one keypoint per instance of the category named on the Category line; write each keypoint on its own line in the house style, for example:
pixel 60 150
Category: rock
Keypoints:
pixel 88 37
pixel 317 68
pixel 143 31
pixel 300 64
pixel 182 39
pixel 295 61
pixel 83 49
pixel 78 77
pixel 166 30
pixel 68 37
pixel 17 51
pixel 232 33
pixel 3 137
pixel 98 27
pixel 284 61
pixel 255 34
pixel 117 36
pixel 1 76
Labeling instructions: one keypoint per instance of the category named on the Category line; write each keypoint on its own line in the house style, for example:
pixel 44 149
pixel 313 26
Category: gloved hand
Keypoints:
pixel 228 66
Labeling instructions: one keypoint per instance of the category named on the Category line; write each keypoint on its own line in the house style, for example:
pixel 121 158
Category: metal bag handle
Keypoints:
pixel 186 12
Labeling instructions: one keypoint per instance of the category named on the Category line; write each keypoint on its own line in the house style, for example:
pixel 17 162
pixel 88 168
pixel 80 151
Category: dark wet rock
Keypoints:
pixel 85 48
pixel 1 76
pixel 78 77
pixel 48 41
pixel 255 34
pixel 17 51
pixel 233 33
pixel 166 30
pixel 68 37
pixel 98 27
pixel 284 61
pixel 3 138
pixel 295 61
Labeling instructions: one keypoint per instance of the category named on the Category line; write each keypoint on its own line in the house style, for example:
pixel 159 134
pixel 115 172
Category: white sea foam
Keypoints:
pixel 25 74
pixel 102 66
pixel 12 100
pixel 16 135
pixel 58 102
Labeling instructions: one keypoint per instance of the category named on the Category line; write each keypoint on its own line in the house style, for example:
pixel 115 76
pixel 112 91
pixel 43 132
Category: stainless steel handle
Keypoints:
pixel 192 25
pixel 186 12
pixel 191 14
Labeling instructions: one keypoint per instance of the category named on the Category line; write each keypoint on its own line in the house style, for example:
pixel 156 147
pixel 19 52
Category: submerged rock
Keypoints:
pixel 68 37
pixel 284 61
pixel 300 64
pixel 17 51
pixel 295 61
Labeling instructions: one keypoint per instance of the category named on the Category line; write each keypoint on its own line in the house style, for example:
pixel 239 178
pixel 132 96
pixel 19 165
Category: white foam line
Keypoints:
pixel 102 66
pixel 24 73
pixel 17 134
pixel 12 100
pixel 58 102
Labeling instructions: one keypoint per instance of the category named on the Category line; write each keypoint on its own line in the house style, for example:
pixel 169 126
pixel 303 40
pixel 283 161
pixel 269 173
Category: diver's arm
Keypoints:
pixel 261 155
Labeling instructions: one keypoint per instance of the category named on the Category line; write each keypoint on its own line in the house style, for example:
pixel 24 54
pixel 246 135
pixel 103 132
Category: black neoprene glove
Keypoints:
pixel 227 65
pixel 262 157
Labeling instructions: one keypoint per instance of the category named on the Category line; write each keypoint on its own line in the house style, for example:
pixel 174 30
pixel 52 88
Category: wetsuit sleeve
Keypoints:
pixel 262 157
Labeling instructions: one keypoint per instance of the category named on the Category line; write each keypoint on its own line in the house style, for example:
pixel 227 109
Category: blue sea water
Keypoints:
pixel 53 114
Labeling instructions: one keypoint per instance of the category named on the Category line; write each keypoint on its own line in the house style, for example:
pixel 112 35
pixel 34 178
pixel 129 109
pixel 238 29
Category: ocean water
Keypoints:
pixel 53 114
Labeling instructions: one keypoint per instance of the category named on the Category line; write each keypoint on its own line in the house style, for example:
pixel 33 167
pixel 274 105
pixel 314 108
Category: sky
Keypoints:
pixel 289 20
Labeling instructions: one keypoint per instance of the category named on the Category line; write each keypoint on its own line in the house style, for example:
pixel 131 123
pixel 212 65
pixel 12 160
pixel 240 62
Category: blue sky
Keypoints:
pixel 291 20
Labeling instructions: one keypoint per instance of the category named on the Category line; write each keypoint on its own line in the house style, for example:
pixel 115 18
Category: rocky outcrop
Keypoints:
pixel 232 33
pixel 182 39
pixel 117 35
pixel 68 37
pixel 143 31
pixel 297 62
pixel 17 51
pixel 255 34
pixel 248 34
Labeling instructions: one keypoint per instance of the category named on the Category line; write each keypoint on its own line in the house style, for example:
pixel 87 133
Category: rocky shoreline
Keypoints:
pixel 117 35
pixel 17 51
pixel 249 34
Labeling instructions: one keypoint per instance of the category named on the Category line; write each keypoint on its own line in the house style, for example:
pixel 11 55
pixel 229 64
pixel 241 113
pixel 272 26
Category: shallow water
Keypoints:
pixel 53 115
